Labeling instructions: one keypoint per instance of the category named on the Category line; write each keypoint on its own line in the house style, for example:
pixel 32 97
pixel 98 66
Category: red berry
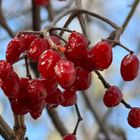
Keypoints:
pixel 14 50
pixel 50 84
pixel 69 137
pixel 83 79
pixel 76 49
pixel 100 56
pixel 46 63
pixel 27 39
pixel 55 98
pixel 37 47
pixel 134 117
pixel 65 73
pixel 36 90
pixel 5 68
pixel 129 67
pixel 70 98
pixel 112 96
pixel 11 85
pixel 42 2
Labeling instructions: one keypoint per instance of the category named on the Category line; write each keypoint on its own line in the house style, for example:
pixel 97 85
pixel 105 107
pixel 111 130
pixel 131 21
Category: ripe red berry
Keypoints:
pixel 55 98
pixel 27 39
pixel 76 49
pixel 46 63
pixel 36 90
pixel 5 68
pixel 134 117
pixel 83 79
pixel 70 98
pixel 69 137
pixel 14 50
pixel 65 73
pixel 37 47
pixel 100 56
pixel 11 85
pixel 112 96
pixel 42 2
pixel 129 67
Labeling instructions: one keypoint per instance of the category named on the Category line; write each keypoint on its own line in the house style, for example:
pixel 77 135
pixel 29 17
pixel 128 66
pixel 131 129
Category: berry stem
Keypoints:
pixel 79 118
pixel 126 104
pixel 61 29
pixel 60 37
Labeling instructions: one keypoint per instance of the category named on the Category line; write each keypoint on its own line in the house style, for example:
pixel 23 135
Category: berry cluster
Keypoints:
pixel 68 66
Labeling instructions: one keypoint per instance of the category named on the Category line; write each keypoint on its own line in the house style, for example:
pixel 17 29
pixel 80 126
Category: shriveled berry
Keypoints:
pixel 69 137
pixel 14 50
pixel 5 68
pixel 46 63
pixel 65 73
pixel 134 117
pixel 11 85
pixel 100 56
pixel 50 84
pixel 112 96
pixel 55 98
pixel 36 90
pixel 27 39
pixel 129 67
pixel 76 49
pixel 83 79
pixel 37 47
pixel 70 98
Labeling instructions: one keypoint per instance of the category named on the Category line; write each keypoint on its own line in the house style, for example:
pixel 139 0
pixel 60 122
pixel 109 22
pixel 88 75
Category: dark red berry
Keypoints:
pixel 36 90
pixel 14 50
pixel 55 98
pixel 129 67
pixel 5 68
pixel 37 47
pixel 100 56
pixel 42 2
pixel 46 63
pixel 65 73
pixel 27 39
pixel 83 79
pixel 76 49
pixel 69 137
pixel 11 85
pixel 70 98
pixel 134 117
pixel 112 96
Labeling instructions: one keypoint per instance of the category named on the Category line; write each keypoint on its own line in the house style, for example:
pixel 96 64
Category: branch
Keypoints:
pixel 134 6
pixel 4 24
pixel 5 131
pixel 57 122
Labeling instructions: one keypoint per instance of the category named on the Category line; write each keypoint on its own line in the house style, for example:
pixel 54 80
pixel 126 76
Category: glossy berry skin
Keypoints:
pixel 129 67
pixel 70 98
pixel 55 98
pixel 100 56
pixel 46 63
pixel 65 73
pixel 37 47
pixel 69 137
pixel 36 90
pixel 14 50
pixel 5 68
pixel 27 39
pixel 11 85
pixel 112 96
pixel 42 2
pixel 76 49
pixel 83 79
pixel 134 117
pixel 50 84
